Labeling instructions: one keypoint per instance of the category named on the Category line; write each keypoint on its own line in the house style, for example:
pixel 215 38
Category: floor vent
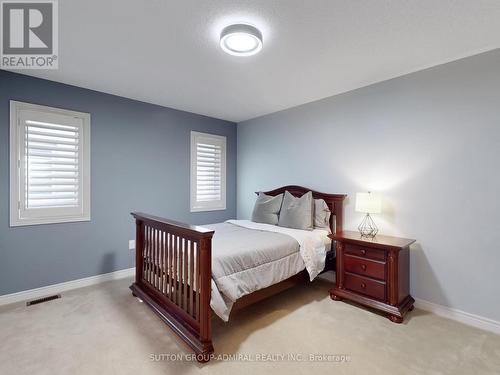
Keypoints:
pixel 42 300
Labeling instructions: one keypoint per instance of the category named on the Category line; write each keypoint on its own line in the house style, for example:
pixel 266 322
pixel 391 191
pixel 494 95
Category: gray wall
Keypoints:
pixel 140 161
pixel 429 142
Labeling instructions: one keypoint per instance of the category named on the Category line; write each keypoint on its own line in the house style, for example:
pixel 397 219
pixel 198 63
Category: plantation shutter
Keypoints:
pixel 208 172
pixel 53 165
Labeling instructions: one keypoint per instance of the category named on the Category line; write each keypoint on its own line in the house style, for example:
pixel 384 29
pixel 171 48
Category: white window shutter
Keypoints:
pixel 51 165
pixel 51 179
pixel 208 172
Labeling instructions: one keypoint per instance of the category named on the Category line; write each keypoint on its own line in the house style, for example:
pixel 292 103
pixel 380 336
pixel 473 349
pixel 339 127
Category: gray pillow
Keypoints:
pixel 267 209
pixel 321 214
pixel 297 212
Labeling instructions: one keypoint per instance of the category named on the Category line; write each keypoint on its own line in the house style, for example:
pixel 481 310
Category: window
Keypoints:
pixel 208 172
pixel 49 165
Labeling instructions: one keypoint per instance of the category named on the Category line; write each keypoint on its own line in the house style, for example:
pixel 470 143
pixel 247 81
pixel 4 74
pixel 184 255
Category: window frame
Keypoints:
pixel 217 205
pixel 19 216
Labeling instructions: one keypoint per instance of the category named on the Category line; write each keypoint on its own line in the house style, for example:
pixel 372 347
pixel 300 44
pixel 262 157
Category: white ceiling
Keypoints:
pixel 166 52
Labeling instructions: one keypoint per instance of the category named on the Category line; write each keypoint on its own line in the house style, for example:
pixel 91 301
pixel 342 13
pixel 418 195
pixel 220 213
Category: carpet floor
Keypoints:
pixel 104 330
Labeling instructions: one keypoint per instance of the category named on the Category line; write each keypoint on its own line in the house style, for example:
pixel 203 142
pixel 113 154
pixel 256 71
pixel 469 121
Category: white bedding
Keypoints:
pixel 248 256
pixel 311 243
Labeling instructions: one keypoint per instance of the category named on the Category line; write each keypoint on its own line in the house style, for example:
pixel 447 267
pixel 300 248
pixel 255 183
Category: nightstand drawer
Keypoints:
pixel 364 267
pixel 365 252
pixel 364 285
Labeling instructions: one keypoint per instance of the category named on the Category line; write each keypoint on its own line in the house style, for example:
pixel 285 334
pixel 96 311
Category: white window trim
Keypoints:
pixel 15 175
pixel 214 205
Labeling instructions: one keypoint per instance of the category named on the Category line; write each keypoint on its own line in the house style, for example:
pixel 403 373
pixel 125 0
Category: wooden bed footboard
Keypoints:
pixel 173 276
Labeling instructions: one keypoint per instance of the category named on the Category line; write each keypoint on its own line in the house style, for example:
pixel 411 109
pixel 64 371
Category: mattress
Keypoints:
pixel 248 256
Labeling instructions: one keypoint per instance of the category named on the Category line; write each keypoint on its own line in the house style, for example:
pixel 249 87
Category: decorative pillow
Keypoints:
pixel 267 209
pixel 321 214
pixel 297 212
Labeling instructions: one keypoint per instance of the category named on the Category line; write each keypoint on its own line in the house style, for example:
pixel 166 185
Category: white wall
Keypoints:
pixel 429 142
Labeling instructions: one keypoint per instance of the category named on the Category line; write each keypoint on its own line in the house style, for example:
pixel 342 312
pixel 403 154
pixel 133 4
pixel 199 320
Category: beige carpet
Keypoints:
pixel 104 330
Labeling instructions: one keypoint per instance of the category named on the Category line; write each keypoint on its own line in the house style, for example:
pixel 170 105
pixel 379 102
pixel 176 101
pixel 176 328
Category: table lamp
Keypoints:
pixel 368 203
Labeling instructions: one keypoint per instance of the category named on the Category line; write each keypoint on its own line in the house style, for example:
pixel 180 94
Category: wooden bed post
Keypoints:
pixel 205 293
pixel 139 249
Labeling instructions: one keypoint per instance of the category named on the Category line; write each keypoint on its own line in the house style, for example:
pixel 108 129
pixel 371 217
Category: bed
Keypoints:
pixel 186 273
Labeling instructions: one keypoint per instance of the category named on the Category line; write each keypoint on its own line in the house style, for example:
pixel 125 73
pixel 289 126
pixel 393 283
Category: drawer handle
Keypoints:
pixel 363 285
pixel 363 252
pixel 363 267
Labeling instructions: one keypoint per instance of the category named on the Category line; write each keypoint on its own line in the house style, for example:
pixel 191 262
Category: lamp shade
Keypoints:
pixel 368 203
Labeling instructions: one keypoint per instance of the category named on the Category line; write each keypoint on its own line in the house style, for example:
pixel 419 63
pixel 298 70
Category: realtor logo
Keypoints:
pixel 29 34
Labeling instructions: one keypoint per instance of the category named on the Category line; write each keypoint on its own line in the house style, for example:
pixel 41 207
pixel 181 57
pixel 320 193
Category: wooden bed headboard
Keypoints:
pixel 334 202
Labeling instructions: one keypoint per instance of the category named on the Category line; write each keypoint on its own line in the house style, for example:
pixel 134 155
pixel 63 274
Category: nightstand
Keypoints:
pixel 374 272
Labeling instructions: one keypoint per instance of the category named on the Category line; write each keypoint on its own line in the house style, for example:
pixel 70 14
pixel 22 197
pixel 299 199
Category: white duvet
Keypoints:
pixel 244 261
pixel 311 243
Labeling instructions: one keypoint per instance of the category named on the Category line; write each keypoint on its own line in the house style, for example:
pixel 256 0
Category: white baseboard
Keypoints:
pixel 459 316
pixel 62 287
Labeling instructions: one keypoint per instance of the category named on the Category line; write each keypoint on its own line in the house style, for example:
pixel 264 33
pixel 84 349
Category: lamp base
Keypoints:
pixel 367 228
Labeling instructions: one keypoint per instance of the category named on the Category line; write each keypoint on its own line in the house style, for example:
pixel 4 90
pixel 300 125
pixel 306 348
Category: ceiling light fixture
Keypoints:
pixel 241 40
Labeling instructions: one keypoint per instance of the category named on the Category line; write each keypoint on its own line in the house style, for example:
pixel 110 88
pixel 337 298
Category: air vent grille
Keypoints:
pixel 43 299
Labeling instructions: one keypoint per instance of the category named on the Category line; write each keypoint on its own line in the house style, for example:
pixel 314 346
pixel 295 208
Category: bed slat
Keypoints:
pixel 191 269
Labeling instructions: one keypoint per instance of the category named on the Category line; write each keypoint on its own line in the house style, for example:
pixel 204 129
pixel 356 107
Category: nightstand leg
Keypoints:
pixel 395 319
pixel 334 297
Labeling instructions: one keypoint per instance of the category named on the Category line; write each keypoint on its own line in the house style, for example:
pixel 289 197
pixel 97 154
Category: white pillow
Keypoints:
pixel 297 212
pixel 267 209
pixel 321 214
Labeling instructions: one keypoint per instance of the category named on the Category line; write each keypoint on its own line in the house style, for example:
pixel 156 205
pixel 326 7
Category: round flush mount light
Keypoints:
pixel 241 40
